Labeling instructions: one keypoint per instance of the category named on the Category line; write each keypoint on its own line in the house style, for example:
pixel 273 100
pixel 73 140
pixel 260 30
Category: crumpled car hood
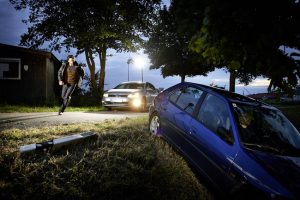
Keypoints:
pixel 285 169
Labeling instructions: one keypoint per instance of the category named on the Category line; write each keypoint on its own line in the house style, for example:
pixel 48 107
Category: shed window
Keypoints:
pixel 10 68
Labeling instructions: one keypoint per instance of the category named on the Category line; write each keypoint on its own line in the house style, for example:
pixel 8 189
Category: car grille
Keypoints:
pixel 117 95
pixel 116 103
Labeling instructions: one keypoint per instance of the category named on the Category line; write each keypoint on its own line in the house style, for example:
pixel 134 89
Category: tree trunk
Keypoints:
pixel 232 81
pixel 102 56
pixel 270 86
pixel 182 78
pixel 91 64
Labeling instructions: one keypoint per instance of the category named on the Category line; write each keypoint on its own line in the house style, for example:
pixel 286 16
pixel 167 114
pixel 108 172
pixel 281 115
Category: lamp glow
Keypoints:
pixel 139 62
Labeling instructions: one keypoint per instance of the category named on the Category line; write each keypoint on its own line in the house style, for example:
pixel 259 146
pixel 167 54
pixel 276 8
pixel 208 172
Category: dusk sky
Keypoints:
pixel 116 68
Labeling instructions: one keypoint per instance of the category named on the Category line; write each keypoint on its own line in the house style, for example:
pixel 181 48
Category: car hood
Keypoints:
pixel 123 90
pixel 285 169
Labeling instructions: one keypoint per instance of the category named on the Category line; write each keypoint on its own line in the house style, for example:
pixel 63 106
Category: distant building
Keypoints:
pixel 263 96
pixel 27 75
pixel 280 96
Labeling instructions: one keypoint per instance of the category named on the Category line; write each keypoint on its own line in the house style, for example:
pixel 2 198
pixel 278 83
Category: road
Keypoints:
pixel 26 120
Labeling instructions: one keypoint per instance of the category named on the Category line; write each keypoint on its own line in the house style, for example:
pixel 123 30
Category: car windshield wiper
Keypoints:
pixel 262 147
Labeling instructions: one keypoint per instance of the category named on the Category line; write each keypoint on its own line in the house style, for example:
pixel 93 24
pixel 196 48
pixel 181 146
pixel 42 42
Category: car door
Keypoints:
pixel 179 112
pixel 211 145
pixel 151 93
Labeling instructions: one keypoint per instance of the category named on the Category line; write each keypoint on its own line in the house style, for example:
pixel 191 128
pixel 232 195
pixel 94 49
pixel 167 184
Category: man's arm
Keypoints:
pixel 60 74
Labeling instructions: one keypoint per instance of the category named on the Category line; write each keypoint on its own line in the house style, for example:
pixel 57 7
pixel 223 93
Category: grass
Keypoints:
pixel 29 109
pixel 124 162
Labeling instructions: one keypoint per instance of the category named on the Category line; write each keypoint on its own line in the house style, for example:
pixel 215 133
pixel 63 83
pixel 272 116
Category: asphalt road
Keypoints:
pixel 26 120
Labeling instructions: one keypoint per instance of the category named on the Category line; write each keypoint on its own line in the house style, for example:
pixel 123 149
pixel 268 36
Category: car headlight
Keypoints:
pixel 137 103
pixel 105 95
pixel 134 95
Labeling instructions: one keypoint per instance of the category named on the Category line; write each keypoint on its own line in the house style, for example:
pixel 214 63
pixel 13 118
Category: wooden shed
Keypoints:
pixel 27 76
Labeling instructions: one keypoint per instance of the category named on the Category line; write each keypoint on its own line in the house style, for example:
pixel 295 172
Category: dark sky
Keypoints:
pixel 11 25
pixel 117 69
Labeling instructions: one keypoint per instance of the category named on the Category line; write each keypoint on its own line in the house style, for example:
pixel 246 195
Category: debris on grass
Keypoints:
pixel 56 143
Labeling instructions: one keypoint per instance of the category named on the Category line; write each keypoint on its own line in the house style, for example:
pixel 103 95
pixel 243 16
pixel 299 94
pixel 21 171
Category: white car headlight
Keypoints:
pixel 134 95
pixel 105 95
pixel 137 103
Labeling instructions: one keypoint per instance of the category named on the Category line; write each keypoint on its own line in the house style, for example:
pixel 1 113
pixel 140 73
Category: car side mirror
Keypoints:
pixel 225 134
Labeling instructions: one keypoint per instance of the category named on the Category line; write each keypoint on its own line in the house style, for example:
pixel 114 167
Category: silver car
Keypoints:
pixel 133 94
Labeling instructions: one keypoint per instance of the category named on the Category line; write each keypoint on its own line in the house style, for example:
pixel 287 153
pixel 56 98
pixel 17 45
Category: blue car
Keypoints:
pixel 242 146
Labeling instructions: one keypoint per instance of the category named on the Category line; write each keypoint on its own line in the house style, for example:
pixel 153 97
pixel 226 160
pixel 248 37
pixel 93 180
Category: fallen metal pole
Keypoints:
pixel 56 143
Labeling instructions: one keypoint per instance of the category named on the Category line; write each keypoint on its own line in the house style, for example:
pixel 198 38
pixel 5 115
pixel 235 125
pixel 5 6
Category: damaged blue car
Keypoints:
pixel 242 146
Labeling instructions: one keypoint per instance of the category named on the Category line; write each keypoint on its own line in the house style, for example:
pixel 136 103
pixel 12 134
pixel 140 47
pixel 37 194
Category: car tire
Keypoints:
pixel 155 124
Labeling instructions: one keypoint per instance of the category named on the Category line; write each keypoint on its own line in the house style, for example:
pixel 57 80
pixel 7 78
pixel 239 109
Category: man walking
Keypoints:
pixel 70 76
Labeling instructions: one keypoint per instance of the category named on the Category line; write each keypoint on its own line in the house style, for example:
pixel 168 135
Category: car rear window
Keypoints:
pixel 186 98
pixel 173 97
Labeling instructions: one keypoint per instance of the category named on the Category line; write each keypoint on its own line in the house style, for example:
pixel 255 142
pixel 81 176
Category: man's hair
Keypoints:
pixel 70 56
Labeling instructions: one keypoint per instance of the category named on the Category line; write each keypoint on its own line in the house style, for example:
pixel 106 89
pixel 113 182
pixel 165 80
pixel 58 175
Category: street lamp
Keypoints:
pixel 140 62
pixel 129 61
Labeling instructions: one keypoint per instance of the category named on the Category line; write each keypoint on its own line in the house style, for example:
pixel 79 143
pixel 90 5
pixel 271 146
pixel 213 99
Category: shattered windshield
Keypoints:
pixel 266 129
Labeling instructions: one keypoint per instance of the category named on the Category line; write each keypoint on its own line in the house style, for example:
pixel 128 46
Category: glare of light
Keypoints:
pixel 137 103
pixel 139 62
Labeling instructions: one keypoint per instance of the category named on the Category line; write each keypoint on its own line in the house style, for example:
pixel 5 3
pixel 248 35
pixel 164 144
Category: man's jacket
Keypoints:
pixel 79 73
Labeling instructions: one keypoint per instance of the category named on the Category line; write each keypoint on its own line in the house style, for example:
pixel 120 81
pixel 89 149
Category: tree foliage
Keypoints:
pixel 168 50
pixel 246 36
pixel 91 26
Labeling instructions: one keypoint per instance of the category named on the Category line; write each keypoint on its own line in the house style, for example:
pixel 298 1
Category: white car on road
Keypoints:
pixel 133 94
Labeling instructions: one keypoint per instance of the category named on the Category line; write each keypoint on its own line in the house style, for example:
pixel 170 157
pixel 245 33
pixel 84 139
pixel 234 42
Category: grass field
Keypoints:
pixel 124 162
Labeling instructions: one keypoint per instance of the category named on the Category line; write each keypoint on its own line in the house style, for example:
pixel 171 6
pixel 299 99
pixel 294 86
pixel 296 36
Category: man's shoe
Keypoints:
pixel 60 113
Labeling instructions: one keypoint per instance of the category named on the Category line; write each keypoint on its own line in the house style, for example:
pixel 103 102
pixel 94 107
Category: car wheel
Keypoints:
pixel 154 124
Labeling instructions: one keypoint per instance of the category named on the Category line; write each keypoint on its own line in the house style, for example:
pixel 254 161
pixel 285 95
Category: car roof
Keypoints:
pixel 230 96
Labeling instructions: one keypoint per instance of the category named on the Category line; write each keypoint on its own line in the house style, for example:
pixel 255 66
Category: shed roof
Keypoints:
pixel 29 50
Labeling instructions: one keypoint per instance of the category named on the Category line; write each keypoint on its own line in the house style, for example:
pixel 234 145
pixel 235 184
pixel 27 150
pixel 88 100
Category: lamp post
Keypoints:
pixel 142 75
pixel 129 61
